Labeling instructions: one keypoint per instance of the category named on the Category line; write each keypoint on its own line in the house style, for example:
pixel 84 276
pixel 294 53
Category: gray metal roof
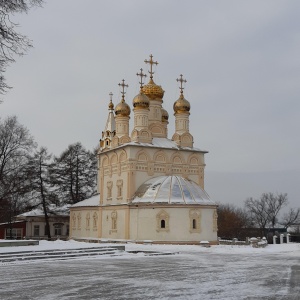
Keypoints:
pixel 171 190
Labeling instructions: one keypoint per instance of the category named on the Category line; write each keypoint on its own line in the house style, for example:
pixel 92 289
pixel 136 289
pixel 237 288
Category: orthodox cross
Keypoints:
pixel 141 74
pixel 123 85
pixel 181 80
pixel 151 62
pixel 110 106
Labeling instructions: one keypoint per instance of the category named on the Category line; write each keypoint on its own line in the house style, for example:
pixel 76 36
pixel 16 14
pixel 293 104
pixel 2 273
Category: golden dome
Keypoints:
pixel 141 101
pixel 153 91
pixel 164 115
pixel 181 105
pixel 110 105
pixel 122 109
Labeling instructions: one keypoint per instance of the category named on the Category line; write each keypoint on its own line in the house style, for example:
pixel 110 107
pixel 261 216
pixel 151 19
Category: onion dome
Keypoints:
pixel 181 105
pixel 164 115
pixel 153 91
pixel 110 105
pixel 171 190
pixel 141 101
pixel 122 109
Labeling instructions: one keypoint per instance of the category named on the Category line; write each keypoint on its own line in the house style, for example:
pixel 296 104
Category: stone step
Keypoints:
pixel 60 251
pixel 56 254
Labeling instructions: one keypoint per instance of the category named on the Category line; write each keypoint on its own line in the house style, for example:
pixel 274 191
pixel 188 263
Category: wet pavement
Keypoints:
pixel 181 276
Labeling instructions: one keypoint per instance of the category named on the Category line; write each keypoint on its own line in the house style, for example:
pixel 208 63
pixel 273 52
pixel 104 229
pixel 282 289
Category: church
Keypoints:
pixel 151 188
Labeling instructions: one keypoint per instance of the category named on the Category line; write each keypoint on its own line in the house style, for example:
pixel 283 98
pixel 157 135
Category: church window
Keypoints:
pixel 95 220
pixel 79 221
pixel 120 189
pixel 162 221
pixel 87 221
pixel 195 217
pixel 194 224
pixel 114 221
pixel 109 190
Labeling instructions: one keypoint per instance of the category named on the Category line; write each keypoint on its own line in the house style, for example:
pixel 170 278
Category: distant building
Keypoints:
pixel 31 225
pixel 151 187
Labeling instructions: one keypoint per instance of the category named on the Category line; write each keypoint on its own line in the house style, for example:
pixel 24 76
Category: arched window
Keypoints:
pixel 195 220
pixel 162 219
pixel 194 224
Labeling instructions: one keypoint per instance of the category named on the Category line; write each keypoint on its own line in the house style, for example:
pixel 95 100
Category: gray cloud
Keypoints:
pixel 241 60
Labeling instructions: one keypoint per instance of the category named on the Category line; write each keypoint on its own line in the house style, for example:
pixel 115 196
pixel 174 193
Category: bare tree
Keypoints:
pixel 291 217
pixel 38 170
pixel 16 144
pixel 264 211
pixel 275 204
pixel 12 42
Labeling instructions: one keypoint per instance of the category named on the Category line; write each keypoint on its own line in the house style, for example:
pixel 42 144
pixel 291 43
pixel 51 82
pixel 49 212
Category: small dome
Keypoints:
pixel 164 115
pixel 122 109
pixel 181 105
pixel 110 105
pixel 171 190
pixel 140 101
pixel 153 91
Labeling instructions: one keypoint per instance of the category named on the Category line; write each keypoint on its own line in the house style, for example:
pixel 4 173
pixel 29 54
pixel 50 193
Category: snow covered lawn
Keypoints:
pixel 195 272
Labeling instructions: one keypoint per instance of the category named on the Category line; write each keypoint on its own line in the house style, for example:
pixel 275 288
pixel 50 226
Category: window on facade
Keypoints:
pixel 57 229
pixel 67 230
pixel 119 191
pixel 114 220
pixel 109 189
pixel 14 233
pixel 162 221
pixel 95 219
pixel 195 220
pixel 194 224
pixel 36 230
pixel 79 221
pixel 120 188
pixel 87 221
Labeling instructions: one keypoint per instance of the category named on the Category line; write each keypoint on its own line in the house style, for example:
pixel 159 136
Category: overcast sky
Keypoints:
pixel 241 60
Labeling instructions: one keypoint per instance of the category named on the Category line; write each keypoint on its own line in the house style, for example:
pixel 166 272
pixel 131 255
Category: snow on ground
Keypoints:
pixel 218 272
pixel 71 244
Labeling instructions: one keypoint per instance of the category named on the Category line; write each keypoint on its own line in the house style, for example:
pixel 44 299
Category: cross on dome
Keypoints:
pixel 123 85
pixel 151 62
pixel 110 105
pixel 181 80
pixel 141 74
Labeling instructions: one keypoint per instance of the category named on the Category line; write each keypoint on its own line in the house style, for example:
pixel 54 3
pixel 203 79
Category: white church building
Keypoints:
pixel 151 188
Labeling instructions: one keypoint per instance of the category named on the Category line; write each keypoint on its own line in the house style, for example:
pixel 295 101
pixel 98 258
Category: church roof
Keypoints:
pixel 164 143
pixel 171 190
pixel 110 123
pixel 52 210
pixel 93 201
